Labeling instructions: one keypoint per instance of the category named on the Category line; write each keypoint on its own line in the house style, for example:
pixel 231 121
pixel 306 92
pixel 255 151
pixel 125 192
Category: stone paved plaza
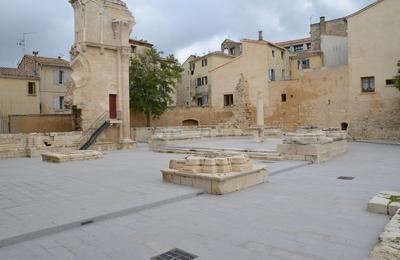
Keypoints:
pixel 304 212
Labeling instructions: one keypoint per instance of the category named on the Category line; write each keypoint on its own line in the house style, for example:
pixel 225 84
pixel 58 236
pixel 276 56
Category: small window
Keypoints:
pixel 273 53
pixel 192 66
pixel 200 101
pixel 205 100
pixel 204 63
pixel 283 74
pixel 228 100
pixel 283 97
pixel 271 74
pixel 390 82
pixel 58 103
pixel 198 81
pixel 305 64
pixel 309 46
pixel 60 77
pixel 31 88
pixel 368 84
pixel 133 49
pixel 298 48
pixel 282 55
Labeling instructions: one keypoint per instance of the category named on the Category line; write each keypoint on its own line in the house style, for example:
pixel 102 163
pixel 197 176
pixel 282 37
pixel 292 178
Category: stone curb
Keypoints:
pixel 99 218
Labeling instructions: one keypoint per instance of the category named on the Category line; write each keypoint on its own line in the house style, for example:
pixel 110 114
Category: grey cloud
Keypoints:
pixel 169 24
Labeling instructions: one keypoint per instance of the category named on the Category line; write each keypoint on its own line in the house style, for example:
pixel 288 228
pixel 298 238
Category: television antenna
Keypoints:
pixel 22 42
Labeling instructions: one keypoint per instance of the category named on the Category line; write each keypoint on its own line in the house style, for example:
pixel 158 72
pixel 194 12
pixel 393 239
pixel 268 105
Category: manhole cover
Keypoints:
pixel 175 254
pixel 346 178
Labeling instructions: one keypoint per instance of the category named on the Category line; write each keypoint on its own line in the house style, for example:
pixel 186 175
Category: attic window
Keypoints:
pixel 390 82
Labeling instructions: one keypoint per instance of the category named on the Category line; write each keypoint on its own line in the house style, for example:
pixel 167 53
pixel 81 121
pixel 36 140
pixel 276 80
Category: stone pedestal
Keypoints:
pixel 313 144
pixel 215 173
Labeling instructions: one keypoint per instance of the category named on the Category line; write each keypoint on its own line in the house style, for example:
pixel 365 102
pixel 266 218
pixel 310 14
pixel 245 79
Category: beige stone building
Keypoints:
pixel 211 80
pixel 19 92
pixel 54 74
pixel 139 46
pixel 342 76
pixel 353 88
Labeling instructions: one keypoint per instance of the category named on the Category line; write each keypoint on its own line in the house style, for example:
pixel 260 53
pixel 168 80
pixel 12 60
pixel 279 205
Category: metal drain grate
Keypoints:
pixel 175 254
pixel 346 178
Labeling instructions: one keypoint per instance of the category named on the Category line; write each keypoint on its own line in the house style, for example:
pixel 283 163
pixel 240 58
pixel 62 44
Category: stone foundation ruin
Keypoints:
pixel 216 173
pixel 313 144
pixel 71 156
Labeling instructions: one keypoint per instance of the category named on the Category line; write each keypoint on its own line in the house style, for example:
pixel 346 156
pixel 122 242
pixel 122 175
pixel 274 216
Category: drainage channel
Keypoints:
pixel 87 221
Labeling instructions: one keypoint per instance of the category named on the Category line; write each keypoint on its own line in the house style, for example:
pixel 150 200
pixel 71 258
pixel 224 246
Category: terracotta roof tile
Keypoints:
pixel 48 61
pixel 14 72
pixel 294 42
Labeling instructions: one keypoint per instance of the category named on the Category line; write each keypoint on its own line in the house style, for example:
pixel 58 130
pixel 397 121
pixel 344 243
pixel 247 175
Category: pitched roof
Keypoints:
pixel 140 42
pixel 18 73
pixel 48 61
pixel 294 42
pixel 215 53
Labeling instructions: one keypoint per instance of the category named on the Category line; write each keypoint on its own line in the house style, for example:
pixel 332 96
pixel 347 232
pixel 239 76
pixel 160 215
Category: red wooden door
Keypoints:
pixel 113 106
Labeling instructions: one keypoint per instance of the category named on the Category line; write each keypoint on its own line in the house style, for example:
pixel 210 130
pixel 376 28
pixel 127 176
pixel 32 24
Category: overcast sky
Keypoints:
pixel 180 27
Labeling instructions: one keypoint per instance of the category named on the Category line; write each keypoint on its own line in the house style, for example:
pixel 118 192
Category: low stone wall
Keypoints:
pixel 175 136
pixel 29 145
pixel 177 116
pixel 40 123
pixel 389 241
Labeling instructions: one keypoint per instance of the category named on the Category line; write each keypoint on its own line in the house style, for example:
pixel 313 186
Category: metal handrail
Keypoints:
pixel 95 125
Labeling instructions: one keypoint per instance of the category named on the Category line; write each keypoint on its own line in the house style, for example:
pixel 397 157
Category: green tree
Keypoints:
pixel 152 81
pixel 398 76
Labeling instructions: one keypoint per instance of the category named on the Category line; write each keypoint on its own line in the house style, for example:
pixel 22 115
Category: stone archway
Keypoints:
pixel 190 122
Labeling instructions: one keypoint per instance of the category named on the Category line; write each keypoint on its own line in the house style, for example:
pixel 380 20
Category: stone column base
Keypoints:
pixel 126 144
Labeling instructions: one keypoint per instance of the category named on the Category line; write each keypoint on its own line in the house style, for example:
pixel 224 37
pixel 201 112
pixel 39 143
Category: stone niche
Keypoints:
pixel 216 173
pixel 314 144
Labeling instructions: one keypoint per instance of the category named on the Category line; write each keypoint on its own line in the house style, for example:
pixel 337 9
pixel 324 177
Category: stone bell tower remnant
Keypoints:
pixel 99 86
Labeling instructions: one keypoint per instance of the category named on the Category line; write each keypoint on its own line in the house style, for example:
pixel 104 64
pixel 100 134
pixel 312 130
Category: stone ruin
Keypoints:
pixel 314 144
pixel 387 203
pixel 71 156
pixel 216 173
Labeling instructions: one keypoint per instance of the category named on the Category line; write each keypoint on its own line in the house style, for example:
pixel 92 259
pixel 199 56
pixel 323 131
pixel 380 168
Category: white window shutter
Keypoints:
pixel 55 77
pixel 56 103
pixel 66 77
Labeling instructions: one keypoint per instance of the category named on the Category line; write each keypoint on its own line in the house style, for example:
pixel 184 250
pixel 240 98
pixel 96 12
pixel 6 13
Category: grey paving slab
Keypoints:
pixel 39 198
pixel 306 213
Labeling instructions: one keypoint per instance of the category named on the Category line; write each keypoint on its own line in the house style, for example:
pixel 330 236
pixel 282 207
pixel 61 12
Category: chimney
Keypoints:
pixel 260 36
pixel 322 25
